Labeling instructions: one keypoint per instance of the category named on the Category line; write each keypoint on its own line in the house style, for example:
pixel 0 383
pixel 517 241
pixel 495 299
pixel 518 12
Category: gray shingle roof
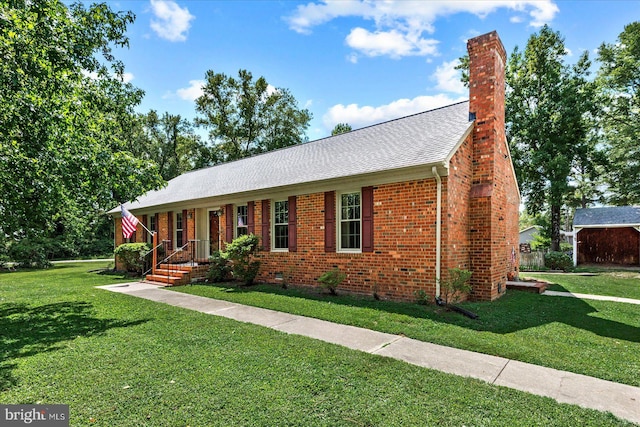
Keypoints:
pixel 420 139
pixel 619 215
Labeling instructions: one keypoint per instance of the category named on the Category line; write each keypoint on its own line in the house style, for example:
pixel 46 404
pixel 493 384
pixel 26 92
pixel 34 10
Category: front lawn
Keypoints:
pixel 595 338
pixel 624 284
pixel 122 361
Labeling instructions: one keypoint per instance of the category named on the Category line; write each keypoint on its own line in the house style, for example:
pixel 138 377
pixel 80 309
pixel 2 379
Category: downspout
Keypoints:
pixel 434 170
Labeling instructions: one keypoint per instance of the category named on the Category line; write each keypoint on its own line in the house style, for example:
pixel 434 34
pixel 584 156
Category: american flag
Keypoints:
pixel 129 223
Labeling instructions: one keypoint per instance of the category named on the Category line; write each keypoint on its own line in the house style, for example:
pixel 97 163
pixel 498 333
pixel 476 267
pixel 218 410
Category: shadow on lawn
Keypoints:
pixel 515 311
pixel 27 330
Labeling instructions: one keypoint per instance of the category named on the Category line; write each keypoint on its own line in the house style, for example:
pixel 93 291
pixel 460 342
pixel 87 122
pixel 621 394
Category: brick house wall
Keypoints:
pixel 403 259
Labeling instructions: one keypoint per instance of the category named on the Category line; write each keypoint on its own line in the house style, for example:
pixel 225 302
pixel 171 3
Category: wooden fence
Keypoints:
pixel 531 261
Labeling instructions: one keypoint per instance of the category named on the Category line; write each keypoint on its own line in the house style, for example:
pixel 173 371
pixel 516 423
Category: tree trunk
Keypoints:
pixel 555 227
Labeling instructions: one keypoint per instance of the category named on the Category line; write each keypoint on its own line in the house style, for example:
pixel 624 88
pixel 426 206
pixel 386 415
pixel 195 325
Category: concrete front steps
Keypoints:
pixel 177 274
pixel 535 287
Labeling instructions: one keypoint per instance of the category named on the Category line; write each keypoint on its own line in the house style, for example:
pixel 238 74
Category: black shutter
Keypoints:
pixel 293 225
pixel 251 222
pixel 228 229
pixel 367 219
pixel 266 226
pixel 330 221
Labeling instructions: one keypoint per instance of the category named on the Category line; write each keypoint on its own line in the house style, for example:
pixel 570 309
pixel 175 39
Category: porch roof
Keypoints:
pixel 421 139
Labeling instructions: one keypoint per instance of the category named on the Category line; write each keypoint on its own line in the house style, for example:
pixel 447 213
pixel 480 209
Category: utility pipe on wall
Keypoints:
pixel 434 170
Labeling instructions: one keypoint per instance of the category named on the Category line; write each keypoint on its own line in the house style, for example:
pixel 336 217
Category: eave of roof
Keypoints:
pixel 408 142
pixel 616 216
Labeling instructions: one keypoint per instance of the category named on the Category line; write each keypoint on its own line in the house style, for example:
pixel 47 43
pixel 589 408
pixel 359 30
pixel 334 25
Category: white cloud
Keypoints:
pixel 391 43
pixel 192 92
pixel 358 117
pixel 399 26
pixel 543 13
pixel 171 21
pixel 448 78
pixel 515 19
pixel 127 77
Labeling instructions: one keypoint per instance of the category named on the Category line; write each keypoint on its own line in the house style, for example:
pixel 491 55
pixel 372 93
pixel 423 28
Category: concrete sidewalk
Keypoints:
pixel 592 297
pixel 620 399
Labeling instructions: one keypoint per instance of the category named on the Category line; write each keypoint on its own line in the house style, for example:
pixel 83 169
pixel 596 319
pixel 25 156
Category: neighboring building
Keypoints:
pixel 527 235
pixel 609 235
pixel 394 205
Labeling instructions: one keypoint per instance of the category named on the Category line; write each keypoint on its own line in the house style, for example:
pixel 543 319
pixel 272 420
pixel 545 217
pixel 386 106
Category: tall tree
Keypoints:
pixel 341 128
pixel 548 110
pixel 170 142
pixel 247 117
pixel 619 80
pixel 65 115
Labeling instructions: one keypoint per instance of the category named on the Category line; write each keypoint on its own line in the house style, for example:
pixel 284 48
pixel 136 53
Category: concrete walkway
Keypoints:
pixel 620 399
pixel 593 297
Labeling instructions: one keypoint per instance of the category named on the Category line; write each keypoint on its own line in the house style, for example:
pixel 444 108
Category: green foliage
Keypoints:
pixel 549 111
pixel 331 279
pixel 65 116
pixel 241 253
pixel 132 256
pixel 341 128
pixel 219 269
pixel 540 242
pixel 246 117
pixel 619 83
pixel 170 142
pixel 422 297
pixel 456 285
pixel 558 261
pixel 33 252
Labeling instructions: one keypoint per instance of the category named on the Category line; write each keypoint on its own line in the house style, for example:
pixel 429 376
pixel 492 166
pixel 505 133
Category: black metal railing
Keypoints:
pixel 171 262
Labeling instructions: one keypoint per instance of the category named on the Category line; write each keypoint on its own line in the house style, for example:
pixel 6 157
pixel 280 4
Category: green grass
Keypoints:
pixel 624 284
pixel 599 339
pixel 122 361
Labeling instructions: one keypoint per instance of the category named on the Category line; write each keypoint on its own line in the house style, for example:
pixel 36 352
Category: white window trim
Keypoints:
pixel 235 220
pixel 273 227
pixel 175 231
pixel 151 218
pixel 339 247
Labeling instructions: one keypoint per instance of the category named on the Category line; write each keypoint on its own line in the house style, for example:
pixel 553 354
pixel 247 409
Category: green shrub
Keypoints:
pixel 331 279
pixel 219 269
pixel 558 261
pixel 241 253
pixel 132 256
pixel 456 285
pixel 32 252
pixel 422 297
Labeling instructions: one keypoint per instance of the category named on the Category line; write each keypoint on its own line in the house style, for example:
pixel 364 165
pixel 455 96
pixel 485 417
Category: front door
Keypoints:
pixel 214 232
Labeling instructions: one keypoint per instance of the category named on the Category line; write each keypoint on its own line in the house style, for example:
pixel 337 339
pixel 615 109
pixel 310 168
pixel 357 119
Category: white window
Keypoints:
pixel 242 217
pixel 152 227
pixel 281 225
pixel 179 230
pixel 349 222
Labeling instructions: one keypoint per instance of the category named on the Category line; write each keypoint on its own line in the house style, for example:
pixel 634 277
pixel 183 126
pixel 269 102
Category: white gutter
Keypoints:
pixel 434 170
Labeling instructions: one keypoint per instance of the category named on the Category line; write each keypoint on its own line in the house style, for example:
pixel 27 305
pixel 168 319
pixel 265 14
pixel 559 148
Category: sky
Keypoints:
pixel 346 61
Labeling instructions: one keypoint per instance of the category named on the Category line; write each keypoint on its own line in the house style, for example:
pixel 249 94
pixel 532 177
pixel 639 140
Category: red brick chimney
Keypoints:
pixel 491 204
